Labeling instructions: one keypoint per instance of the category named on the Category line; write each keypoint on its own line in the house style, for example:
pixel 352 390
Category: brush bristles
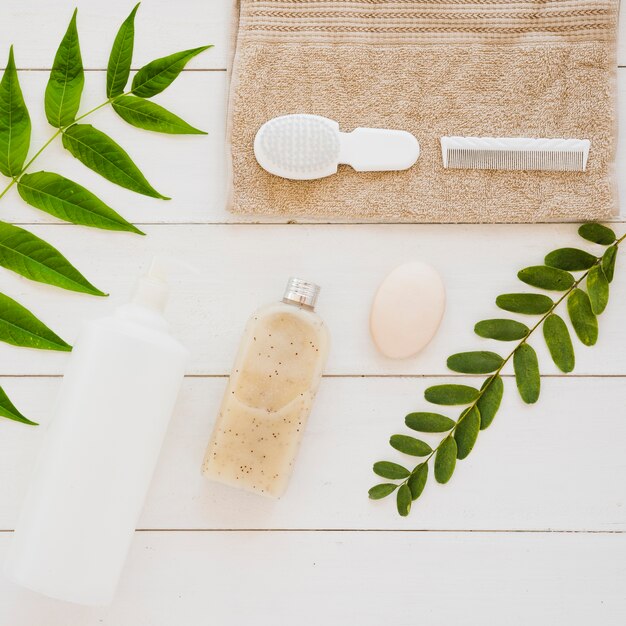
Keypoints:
pixel 530 160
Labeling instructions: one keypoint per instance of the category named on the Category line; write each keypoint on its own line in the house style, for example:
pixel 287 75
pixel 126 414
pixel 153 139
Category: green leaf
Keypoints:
pixel 14 122
pixel 19 327
pixel 445 460
pixel 559 343
pixel 608 262
pixel 598 289
pixel 489 402
pixel 410 445
pixel 475 362
pixel 8 410
pixel 101 154
pixel 150 116
pixel 450 395
pixel 24 253
pixel 403 500
pixel 418 479
pixel 120 59
pixel 159 74
pixel 570 259
pixel 429 422
pixel 377 492
pixel 583 319
pixel 68 201
pixel 544 277
pixel 525 303
pixel 501 330
pixel 527 376
pixel 391 471
pixel 597 233
pixel 466 432
pixel 67 78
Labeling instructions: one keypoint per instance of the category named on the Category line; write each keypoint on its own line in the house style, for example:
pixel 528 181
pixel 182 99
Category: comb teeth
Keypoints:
pixel 491 153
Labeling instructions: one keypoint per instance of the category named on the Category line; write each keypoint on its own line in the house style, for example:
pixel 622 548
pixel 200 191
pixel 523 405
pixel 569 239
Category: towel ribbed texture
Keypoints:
pixel 508 68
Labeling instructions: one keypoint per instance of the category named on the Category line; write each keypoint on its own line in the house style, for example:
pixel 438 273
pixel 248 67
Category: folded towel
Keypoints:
pixel 508 68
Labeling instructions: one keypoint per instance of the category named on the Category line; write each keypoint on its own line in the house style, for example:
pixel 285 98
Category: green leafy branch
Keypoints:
pixel 20 250
pixel 584 305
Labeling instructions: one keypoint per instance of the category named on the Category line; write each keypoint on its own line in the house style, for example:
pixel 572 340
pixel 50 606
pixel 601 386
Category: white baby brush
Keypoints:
pixel 306 147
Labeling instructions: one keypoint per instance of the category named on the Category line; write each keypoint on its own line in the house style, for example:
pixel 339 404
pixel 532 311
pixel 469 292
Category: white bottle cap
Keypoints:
pixel 152 289
pixel 301 292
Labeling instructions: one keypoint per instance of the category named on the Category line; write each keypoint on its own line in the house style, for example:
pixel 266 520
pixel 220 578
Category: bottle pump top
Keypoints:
pixel 301 292
pixel 152 289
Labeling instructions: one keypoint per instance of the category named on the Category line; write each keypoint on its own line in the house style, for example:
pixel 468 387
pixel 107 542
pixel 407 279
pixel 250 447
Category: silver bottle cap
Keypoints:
pixel 301 292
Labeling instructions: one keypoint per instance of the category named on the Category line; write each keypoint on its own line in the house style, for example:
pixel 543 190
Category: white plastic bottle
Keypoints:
pixel 100 451
pixel 270 394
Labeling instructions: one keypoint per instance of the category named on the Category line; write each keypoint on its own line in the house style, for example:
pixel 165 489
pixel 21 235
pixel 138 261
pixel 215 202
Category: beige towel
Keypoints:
pixel 508 68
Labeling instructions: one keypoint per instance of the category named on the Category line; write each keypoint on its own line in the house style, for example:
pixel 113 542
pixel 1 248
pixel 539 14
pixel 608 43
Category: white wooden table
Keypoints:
pixel 532 528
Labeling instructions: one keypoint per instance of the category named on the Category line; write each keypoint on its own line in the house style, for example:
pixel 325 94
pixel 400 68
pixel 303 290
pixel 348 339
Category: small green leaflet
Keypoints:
pixel 8 410
pixel 68 201
pixel 120 59
pixel 445 460
pixel 14 122
pixel 466 432
pixel 67 79
pixel 559 343
pixel 597 233
pixel 159 74
pixel 545 277
pixel 403 500
pixel 150 116
pixel 429 422
pixel 391 471
pixel 608 262
pixel 450 395
pixel 101 154
pixel 417 480
pixel 584 321
pixel 570 259
pixel 28 255
pixel 489 401
pixel 525 303
pixel 19 327
pixel 475 362
pixel 410 445
pixel 598 289
pixel 527 376
pixel 378 492
pixel 501 330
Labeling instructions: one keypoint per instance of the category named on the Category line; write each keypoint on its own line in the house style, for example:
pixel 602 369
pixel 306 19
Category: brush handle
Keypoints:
pixel 378 150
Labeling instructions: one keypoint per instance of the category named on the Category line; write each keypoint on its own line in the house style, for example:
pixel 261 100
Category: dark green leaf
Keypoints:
pixel 445 460
pixel 527 376
pixel 391 471
pixel 68 201
pixel 489 402
pixel 101 154
pixel 544 277
pixel 475 362
pixel 429 422
pixel 403 500
pixel 377 492
pixel 597 233
pixel 159 74
pixel 449 395
pixel 8 410
pixel 608 262
pixel 418 479
pixel 525 303
pixel 598 288
pixel 584 321
pixel 410 445
pixel 501 330
pixel 150 116
pixel 19 327
pixel 24 253
pixel 65 85
pixel 570 259
pixel 466 432
pixel 559 343
pixel 121 56
pixel 14 122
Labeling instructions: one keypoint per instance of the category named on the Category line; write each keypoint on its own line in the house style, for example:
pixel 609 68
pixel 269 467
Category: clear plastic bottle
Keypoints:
pixel 270 394
pixel 100 451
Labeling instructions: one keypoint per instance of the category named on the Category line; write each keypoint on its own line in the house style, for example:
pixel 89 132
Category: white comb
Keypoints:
pixel 306 147
pixel 506 153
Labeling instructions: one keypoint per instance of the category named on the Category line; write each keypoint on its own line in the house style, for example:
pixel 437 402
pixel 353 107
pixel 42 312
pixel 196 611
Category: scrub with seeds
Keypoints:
pixel 270 394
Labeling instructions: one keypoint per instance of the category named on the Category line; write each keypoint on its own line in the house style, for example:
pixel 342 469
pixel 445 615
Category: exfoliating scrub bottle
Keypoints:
pixel 100 451
pixel 270 394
